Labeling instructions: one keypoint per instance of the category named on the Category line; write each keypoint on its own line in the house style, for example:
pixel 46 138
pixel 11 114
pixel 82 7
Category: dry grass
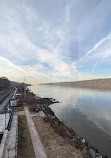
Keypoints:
pixel 25 148
pixel 21 107
pixel 55 145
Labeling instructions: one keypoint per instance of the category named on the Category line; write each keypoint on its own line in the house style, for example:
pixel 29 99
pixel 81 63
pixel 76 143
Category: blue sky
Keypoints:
pixel 51 41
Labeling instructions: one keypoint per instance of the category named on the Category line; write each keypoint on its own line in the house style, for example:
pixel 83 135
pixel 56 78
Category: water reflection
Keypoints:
pixel 88 112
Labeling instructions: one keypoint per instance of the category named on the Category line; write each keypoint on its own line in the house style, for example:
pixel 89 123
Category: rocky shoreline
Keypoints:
pixel 67 133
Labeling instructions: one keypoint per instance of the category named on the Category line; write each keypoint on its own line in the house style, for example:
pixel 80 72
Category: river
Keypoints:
pixel 86 111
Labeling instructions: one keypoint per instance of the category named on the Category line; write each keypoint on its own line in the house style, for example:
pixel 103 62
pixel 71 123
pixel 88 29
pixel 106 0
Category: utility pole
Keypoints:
pixel 24 88
pixel 30 85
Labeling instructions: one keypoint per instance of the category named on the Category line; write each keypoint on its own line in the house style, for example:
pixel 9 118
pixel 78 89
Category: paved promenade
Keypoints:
pixel 37 145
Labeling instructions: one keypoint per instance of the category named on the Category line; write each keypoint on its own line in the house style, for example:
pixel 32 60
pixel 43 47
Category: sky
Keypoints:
pixel 54 41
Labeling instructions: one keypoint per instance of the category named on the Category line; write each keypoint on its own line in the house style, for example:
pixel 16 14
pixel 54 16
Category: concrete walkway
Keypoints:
pixel 37 145
pixel 13 138
pixel 8 147
pixel 3 144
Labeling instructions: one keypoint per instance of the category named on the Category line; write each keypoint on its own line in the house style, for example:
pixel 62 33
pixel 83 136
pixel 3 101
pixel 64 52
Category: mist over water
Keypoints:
pixel 86 111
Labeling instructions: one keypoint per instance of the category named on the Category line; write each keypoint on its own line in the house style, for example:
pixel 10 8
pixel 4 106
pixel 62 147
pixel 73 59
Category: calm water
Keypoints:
pixel 87 112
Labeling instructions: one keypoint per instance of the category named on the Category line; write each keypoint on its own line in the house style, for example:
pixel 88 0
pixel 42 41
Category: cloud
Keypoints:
pixel 7 68
pixel 97 45
pixel 44 48
pixel 19 49
pixel 99 54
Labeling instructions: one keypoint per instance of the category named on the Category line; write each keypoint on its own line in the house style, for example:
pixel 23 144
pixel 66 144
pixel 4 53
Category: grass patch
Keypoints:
pixel 25 148
pixel 21 107
pixel 55 145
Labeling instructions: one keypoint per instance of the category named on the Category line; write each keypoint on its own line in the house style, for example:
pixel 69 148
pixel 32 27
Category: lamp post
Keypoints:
pixel 5 119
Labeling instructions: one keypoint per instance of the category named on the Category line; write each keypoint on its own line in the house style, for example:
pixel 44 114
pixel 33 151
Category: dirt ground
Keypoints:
pixel 55 145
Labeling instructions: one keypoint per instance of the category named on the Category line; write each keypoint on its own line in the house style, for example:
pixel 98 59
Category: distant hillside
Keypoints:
pixel 14 84
pixel 95 84
pixel 4 83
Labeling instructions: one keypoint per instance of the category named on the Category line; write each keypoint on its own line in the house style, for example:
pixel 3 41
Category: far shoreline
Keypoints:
pixel 96 84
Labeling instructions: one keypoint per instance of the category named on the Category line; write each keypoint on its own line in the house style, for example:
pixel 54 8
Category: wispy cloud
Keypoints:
pixel 48 43
pixel 21 48
pixel 100 53
pixel 96 46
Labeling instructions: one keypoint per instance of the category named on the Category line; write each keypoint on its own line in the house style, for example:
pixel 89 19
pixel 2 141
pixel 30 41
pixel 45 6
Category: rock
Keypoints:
pixel 68 133
pixel 83 141
pixel 105 156
pixel 84 151
pixel 92 153
pixel 96 150
pixel 99 156
pixel 73 139
pixel 41 114
pixel 37 110
pixel 91 147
